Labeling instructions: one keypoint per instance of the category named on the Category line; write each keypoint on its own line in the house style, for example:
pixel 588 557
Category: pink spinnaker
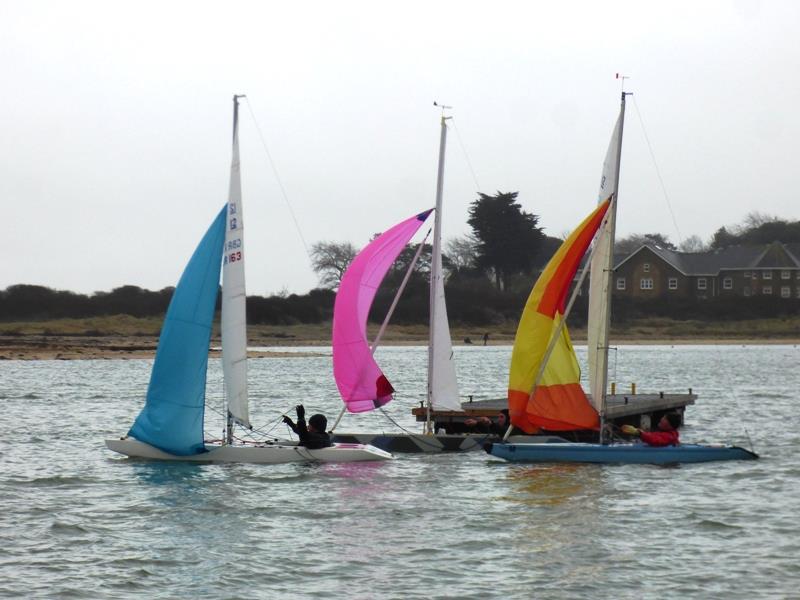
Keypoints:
pixel 361 383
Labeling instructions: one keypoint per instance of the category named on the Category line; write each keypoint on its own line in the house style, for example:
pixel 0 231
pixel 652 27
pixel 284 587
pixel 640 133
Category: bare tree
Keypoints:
pixel 693 243
pixel 637 240
pixel 330 260
pixel 462 251
pixel 755 219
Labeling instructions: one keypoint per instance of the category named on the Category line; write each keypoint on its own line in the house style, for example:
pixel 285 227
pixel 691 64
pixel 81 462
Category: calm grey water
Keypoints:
pixel 78 522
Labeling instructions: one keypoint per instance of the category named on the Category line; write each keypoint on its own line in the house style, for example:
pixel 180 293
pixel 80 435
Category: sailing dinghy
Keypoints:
pixel 170 426
pixel 544 377
pixel 361 382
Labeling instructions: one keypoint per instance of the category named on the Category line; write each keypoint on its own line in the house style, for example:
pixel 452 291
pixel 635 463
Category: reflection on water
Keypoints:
pixel 548 484
pixel 171 474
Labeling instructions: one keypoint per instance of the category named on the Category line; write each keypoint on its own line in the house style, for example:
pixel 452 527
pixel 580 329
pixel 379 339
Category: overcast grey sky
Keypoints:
pixel 116 116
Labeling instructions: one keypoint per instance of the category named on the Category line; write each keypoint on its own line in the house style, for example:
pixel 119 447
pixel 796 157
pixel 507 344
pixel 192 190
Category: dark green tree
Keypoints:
pixel 548 248
pixel 773 231
pixel 508 237
pixel 757 228
pixel 722 238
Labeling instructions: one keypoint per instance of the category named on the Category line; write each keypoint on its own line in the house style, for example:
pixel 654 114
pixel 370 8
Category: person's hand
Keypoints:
pixel 470 422
pixel 301 411
pixel 630 430
pixel 287 420
pixel 486 420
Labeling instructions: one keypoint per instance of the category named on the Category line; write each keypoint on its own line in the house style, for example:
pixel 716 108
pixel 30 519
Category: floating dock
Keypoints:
pixel 453 435
pixel 640 410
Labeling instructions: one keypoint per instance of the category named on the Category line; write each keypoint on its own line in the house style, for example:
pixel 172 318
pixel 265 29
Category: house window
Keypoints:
pixel 755 275
pixel 673 283
pixel 766 275
pixel 646 283
pixel 766 290
pixel 646 267
pixel 747 274
pixel 620 283
pixel 786 274
pixel 786 291
pixel 727 283
pixel 746 290
pixel 701 283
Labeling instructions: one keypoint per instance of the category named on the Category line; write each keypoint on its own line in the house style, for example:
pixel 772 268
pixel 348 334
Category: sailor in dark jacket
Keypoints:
pixel 312 436
pixel 498 428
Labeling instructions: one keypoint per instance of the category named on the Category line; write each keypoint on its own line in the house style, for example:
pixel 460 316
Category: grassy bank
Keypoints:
pixel 147 329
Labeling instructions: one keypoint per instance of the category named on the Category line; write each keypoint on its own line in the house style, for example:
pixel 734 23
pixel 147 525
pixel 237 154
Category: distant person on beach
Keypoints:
pixel 666 434
pixel 485 338
pixel 312 436
pixel 486 425
pixel 467 340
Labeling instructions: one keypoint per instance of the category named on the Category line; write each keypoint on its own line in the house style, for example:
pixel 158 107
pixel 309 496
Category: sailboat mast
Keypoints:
pixel 609 267
pixel 436 265
pixel 233 319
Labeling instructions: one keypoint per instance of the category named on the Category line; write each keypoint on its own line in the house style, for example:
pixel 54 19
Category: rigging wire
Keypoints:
pixel 264 430
pixel 615 349
pixel 423 439
pixel 733 389
pixel 658 172
pixel 466 156
pixel 278 179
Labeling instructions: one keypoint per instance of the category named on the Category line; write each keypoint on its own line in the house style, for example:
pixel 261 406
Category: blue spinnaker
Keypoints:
pixel 172 418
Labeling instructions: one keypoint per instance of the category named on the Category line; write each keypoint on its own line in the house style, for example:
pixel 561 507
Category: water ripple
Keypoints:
pixel 76 522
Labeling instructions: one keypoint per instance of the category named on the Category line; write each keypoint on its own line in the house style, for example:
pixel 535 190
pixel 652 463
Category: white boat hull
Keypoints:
pixel 260 454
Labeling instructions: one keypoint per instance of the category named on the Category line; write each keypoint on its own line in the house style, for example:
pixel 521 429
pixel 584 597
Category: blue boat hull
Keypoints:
pixel 616 453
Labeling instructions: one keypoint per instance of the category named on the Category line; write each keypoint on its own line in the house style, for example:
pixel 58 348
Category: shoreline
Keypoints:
pixel 113 347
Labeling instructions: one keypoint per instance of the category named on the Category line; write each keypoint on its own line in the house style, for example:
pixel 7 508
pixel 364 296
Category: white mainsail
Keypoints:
pixel 234 320
pixel 444 386
pixel 601 272
pixel 442 383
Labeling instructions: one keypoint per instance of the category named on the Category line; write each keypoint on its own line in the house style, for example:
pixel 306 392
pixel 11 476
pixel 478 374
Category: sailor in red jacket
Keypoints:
pixel 667 434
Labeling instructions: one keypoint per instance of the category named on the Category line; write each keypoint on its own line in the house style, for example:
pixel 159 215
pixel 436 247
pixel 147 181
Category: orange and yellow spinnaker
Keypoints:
pixel 558 403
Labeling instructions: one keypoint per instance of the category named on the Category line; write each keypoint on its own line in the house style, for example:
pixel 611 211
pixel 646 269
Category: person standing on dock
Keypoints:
pixel 666 434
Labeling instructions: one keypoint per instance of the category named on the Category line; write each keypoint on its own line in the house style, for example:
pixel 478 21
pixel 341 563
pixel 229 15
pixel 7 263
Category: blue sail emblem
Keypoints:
pixel 172 418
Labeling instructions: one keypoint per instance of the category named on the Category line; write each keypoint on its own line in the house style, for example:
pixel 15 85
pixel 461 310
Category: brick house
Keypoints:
pixel 652 272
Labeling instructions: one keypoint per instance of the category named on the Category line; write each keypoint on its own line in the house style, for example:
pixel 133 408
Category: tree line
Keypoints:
pixel 757 228
pixel 489 276
pixel 36 303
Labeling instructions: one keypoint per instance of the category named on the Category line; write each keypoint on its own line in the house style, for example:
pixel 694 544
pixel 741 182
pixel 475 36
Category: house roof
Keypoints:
pixel 763 256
